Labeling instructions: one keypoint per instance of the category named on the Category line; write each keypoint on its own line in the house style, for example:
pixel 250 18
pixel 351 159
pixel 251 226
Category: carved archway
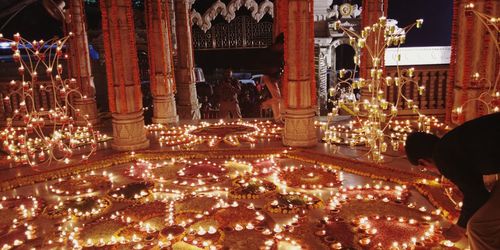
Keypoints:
pixel 228 12
pixel 336 43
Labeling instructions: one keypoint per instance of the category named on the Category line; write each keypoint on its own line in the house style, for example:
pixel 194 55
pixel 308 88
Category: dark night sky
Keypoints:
pixel 437 15
pixel 34 22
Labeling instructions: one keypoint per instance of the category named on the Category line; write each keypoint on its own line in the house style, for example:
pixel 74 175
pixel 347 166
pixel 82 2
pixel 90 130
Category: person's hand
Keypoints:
pixel 454 233
pixel 490 181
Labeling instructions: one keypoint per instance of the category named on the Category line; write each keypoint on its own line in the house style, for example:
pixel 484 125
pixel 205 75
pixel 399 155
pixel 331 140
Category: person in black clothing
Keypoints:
pixel 469 156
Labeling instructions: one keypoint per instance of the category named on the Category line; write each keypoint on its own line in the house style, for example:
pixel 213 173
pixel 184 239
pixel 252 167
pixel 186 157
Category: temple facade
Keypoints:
pixel 249 124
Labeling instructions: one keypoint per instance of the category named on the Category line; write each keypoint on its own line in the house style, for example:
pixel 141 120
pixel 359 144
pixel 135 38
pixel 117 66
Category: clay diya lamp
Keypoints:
pixel 320 233
pixel 336 245
pixel 365 241
pixel 172 232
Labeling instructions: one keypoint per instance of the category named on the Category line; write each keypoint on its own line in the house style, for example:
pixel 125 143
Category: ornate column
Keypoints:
pixel 80 63
pixel 279 14
pixel 187 100
pixel 122 68
pixel 161 67
pixel 299 73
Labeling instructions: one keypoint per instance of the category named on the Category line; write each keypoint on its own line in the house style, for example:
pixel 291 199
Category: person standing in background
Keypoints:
pixel 227 92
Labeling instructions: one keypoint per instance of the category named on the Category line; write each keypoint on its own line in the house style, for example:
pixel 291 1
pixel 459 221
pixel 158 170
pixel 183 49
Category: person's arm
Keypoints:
pixel 475 196
pixel 465 214
pixel 237 87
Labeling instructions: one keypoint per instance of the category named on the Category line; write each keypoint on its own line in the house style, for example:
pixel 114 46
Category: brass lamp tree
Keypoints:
pixel 373 112
pixel 39 132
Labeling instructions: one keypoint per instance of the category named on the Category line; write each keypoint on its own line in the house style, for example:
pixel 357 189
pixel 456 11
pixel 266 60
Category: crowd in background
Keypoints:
pixel 232 95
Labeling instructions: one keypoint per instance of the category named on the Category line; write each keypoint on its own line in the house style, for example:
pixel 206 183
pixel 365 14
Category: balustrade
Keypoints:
pixel 433 100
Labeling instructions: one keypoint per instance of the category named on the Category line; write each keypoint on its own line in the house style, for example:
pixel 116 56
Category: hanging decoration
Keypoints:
pixel 453 62
pixel 46 134
pixel 373 112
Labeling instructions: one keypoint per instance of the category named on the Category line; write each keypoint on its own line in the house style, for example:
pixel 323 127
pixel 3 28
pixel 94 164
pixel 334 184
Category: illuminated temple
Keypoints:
pixel 236 124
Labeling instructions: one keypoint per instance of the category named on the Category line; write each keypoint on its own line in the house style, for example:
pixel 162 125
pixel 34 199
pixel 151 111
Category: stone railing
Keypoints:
pixel 433 100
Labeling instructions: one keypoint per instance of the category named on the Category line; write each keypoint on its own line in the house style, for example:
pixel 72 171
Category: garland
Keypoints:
pixel 453 63
pixel 283 21
pixel 365 21
pixel 108 54
pixel 86 50
pixel 66 27
pixel 133 56
pixel 118 63
pixel 162 12
pixel 151 55
pixel 467 60
pixel 484 54
pixel 75 53
pixel 296 63
pixel 311 56
pixel 83 87
pixel 170 73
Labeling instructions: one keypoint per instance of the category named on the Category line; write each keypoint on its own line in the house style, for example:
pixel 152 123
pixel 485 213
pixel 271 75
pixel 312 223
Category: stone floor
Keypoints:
pixel 257 195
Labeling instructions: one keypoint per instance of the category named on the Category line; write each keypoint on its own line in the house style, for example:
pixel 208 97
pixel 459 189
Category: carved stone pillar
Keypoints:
pixel 300 112
pixel 80 63
pixel 187 100
pixel 122 68
pixel 161 61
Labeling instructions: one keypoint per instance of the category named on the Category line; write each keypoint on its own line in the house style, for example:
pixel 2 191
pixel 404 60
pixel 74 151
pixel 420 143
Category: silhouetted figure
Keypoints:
pixel 469 156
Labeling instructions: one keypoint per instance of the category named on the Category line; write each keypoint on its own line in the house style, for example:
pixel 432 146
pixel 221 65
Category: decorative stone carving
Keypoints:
pixel 299 128
pixel 165 110
pixel 88 107
pixel 333 12
pixel 129 131
pixel 196 18
pixel 252 6
pixel 266 7
pixel 357 11
pixel 191 2
pixel 232 7
pixel 344 11
pixel 258 11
